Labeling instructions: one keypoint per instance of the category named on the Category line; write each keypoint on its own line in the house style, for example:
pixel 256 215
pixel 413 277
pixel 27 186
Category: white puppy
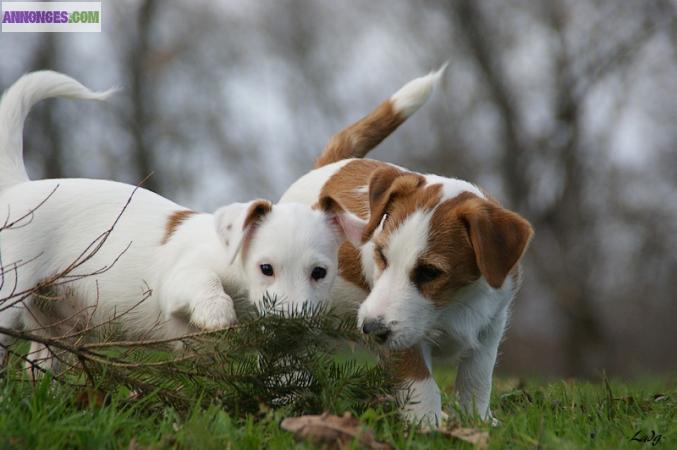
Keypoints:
pixel 189 265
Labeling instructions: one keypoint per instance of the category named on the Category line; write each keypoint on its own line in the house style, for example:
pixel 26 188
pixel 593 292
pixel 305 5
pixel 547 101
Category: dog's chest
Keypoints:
pixel 475 311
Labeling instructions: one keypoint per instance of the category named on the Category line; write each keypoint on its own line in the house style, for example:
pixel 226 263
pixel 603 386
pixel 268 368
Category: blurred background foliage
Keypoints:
pixel 565 110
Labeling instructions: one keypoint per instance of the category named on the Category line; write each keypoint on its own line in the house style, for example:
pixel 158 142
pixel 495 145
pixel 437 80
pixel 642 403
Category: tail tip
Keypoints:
pixel 415 93
pixel 108 93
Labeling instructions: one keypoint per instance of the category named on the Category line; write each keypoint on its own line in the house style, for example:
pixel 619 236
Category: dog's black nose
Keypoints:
pixel 377 329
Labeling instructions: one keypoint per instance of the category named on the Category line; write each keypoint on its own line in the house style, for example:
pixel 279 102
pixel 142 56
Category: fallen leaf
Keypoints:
pixel 479 438
pixel 474 436
pixel 331 430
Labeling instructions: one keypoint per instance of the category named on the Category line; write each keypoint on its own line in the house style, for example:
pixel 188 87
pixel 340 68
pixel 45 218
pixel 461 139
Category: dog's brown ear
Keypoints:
pixel 499 238
pixel 236 224
pixel 385 185
pixel 347 226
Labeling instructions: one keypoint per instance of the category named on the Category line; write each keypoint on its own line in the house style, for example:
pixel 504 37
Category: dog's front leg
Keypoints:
pixel 418 394
pixel 199 295
pixel 475 370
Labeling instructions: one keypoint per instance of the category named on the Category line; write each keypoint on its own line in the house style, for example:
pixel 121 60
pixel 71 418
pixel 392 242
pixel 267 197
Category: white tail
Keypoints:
pixel 14 107
pixel 414 94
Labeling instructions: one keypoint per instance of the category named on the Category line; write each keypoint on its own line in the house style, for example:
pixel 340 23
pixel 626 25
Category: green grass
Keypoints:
pixel 536 414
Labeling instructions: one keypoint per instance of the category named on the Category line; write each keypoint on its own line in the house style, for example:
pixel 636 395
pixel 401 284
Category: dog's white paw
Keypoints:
pixel 421 403
pixel 428 418
pixel 214 312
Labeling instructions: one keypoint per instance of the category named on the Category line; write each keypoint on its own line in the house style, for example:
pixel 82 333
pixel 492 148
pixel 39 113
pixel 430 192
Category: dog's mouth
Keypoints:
pixel 394 339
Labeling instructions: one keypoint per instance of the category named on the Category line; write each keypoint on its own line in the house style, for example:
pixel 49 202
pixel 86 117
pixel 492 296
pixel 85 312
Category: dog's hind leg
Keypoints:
pixel 10 319
pixel 39 360
pixel 39 318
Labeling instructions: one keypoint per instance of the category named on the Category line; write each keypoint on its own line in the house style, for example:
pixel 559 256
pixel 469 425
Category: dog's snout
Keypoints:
pixel 376 328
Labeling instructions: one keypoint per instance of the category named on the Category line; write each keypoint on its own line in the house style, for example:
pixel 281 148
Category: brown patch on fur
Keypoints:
pixel 350 266
pixel 348 186
pixel 391 191
pixel 471 237
pixel 344 191
pixel 174 221
pixel 410 365
pixel 449 249
pixel 356 140
pixel 499 238
pixel 255 214
pixel 400 205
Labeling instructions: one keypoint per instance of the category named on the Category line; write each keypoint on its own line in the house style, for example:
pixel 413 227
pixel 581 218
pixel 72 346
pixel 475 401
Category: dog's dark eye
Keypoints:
pixel 381 256
pixel 318 273
pixel 267 270
pixel 426 273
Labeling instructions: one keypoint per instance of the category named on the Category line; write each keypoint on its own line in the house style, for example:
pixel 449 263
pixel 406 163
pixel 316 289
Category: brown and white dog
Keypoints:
pixel 438 263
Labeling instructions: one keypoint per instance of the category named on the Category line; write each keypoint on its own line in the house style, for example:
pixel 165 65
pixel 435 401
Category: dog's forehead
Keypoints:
pixel 426 221
pixel 292 228
pixel 295 216
pixel 408 240
pixel 436 191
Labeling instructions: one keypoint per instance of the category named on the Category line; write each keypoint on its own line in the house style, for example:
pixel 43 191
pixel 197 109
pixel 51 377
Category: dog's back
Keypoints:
pixel 87 232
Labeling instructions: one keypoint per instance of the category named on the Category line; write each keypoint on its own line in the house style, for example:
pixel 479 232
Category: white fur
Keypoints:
pixel 305 187
pixel 393 298
pixel 415 93
pixel 17 102
pixel 467 331
pixel 421 400
pixel 191 279
pixel 452 187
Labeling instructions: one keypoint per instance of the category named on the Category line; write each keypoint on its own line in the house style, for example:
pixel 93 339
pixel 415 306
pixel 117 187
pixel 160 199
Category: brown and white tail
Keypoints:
pixel 359 138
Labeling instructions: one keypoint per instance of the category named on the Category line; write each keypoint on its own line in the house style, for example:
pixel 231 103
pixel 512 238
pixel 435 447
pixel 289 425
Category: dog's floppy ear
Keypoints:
pixel 236 224
pixel 499 239
pixel 347 226
pixel 385 185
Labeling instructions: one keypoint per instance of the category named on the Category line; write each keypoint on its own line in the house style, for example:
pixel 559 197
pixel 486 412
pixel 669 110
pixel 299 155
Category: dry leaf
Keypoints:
pixel 479 438
pixel 332 430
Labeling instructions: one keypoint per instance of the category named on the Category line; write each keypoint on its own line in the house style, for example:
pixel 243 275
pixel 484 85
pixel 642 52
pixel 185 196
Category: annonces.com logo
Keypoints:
pixel 65 17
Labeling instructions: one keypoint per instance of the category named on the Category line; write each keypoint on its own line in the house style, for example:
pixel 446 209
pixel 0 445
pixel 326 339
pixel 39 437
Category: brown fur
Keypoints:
pixel 255 214
pixel 356 140
pixel 350 267
pixel 499 238
pixel 387 185
pixel 343 185
pixel 409 365
pixel 450 250
pixel 469 236
pixel 174 221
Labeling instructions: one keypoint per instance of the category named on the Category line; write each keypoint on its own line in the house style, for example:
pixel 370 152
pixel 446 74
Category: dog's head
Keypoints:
pixel 430 240
pixel 288 252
